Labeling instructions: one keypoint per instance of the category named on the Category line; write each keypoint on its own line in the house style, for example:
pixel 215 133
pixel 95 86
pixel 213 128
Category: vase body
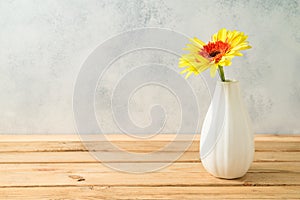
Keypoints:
pixel 227 143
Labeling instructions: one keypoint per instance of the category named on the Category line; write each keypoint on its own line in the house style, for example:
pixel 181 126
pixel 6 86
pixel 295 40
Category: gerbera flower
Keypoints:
pixel 215 54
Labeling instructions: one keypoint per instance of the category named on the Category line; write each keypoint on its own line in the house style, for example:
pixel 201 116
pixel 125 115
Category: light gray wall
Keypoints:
pixel 44 43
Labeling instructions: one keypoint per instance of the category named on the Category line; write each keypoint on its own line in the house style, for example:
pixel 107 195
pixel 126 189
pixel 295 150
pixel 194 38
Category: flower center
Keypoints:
pixel 215 50
pixel 214 53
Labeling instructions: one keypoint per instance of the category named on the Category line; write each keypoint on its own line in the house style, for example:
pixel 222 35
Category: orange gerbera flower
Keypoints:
pixel 215 54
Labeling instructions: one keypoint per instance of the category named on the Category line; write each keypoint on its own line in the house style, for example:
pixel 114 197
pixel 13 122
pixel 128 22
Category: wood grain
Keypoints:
pixel 60 167
pixel 132 146
pixel 181 174
pixel 190 193
pixel 86 157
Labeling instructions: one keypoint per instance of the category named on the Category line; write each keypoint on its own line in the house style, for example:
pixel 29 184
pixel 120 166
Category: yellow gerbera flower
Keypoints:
pixel 215 54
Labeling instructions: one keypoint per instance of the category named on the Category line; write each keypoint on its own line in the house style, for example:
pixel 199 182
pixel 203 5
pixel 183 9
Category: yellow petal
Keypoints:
pixel 222 34
pixel 215 37
pixel 201 59
pixel 233 35
pixel 213 70
pixel 184 71
pixel 239 40
pixel 235 41
pixel 243 39
pixel 238 54
pixel 202 68
pixel 225 62
pixel 200 43
pixel 229 35
pixel 192 48
pixel 188 74
pixel 234 53
pixel 242 47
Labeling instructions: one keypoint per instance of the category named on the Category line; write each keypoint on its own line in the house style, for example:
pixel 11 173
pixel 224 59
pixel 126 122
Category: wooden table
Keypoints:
pixel 59 167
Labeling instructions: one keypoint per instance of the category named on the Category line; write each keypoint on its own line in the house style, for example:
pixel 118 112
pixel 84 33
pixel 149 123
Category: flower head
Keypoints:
pixel 223 46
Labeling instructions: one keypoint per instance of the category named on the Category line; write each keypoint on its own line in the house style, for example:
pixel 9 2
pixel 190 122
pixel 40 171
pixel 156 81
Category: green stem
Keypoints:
pixel 221 73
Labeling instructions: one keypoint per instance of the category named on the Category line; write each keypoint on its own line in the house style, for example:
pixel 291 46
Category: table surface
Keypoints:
pixel 60 167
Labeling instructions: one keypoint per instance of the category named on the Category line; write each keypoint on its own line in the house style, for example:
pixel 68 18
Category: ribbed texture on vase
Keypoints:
pixel 227 144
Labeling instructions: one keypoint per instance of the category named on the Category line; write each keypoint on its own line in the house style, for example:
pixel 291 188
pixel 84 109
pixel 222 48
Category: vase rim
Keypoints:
pixel 230 81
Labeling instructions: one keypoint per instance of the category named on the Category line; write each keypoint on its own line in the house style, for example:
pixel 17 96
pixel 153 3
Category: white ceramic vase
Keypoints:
pixel 227 143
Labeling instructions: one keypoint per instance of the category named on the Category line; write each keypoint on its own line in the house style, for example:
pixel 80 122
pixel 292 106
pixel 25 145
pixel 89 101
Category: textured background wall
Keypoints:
pixel 44 43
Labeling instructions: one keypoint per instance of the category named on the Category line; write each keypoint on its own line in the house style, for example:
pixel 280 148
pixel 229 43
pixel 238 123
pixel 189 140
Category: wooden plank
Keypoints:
pixel 95 176
pixel 58 166
pixel 76 157
pixel 133 146
pixel 184 174
pixel 277 146
pixel 42 146
pixel 52 143
pixel 102 192
pixel 257 167
pixel 123 137
pixel 156 179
